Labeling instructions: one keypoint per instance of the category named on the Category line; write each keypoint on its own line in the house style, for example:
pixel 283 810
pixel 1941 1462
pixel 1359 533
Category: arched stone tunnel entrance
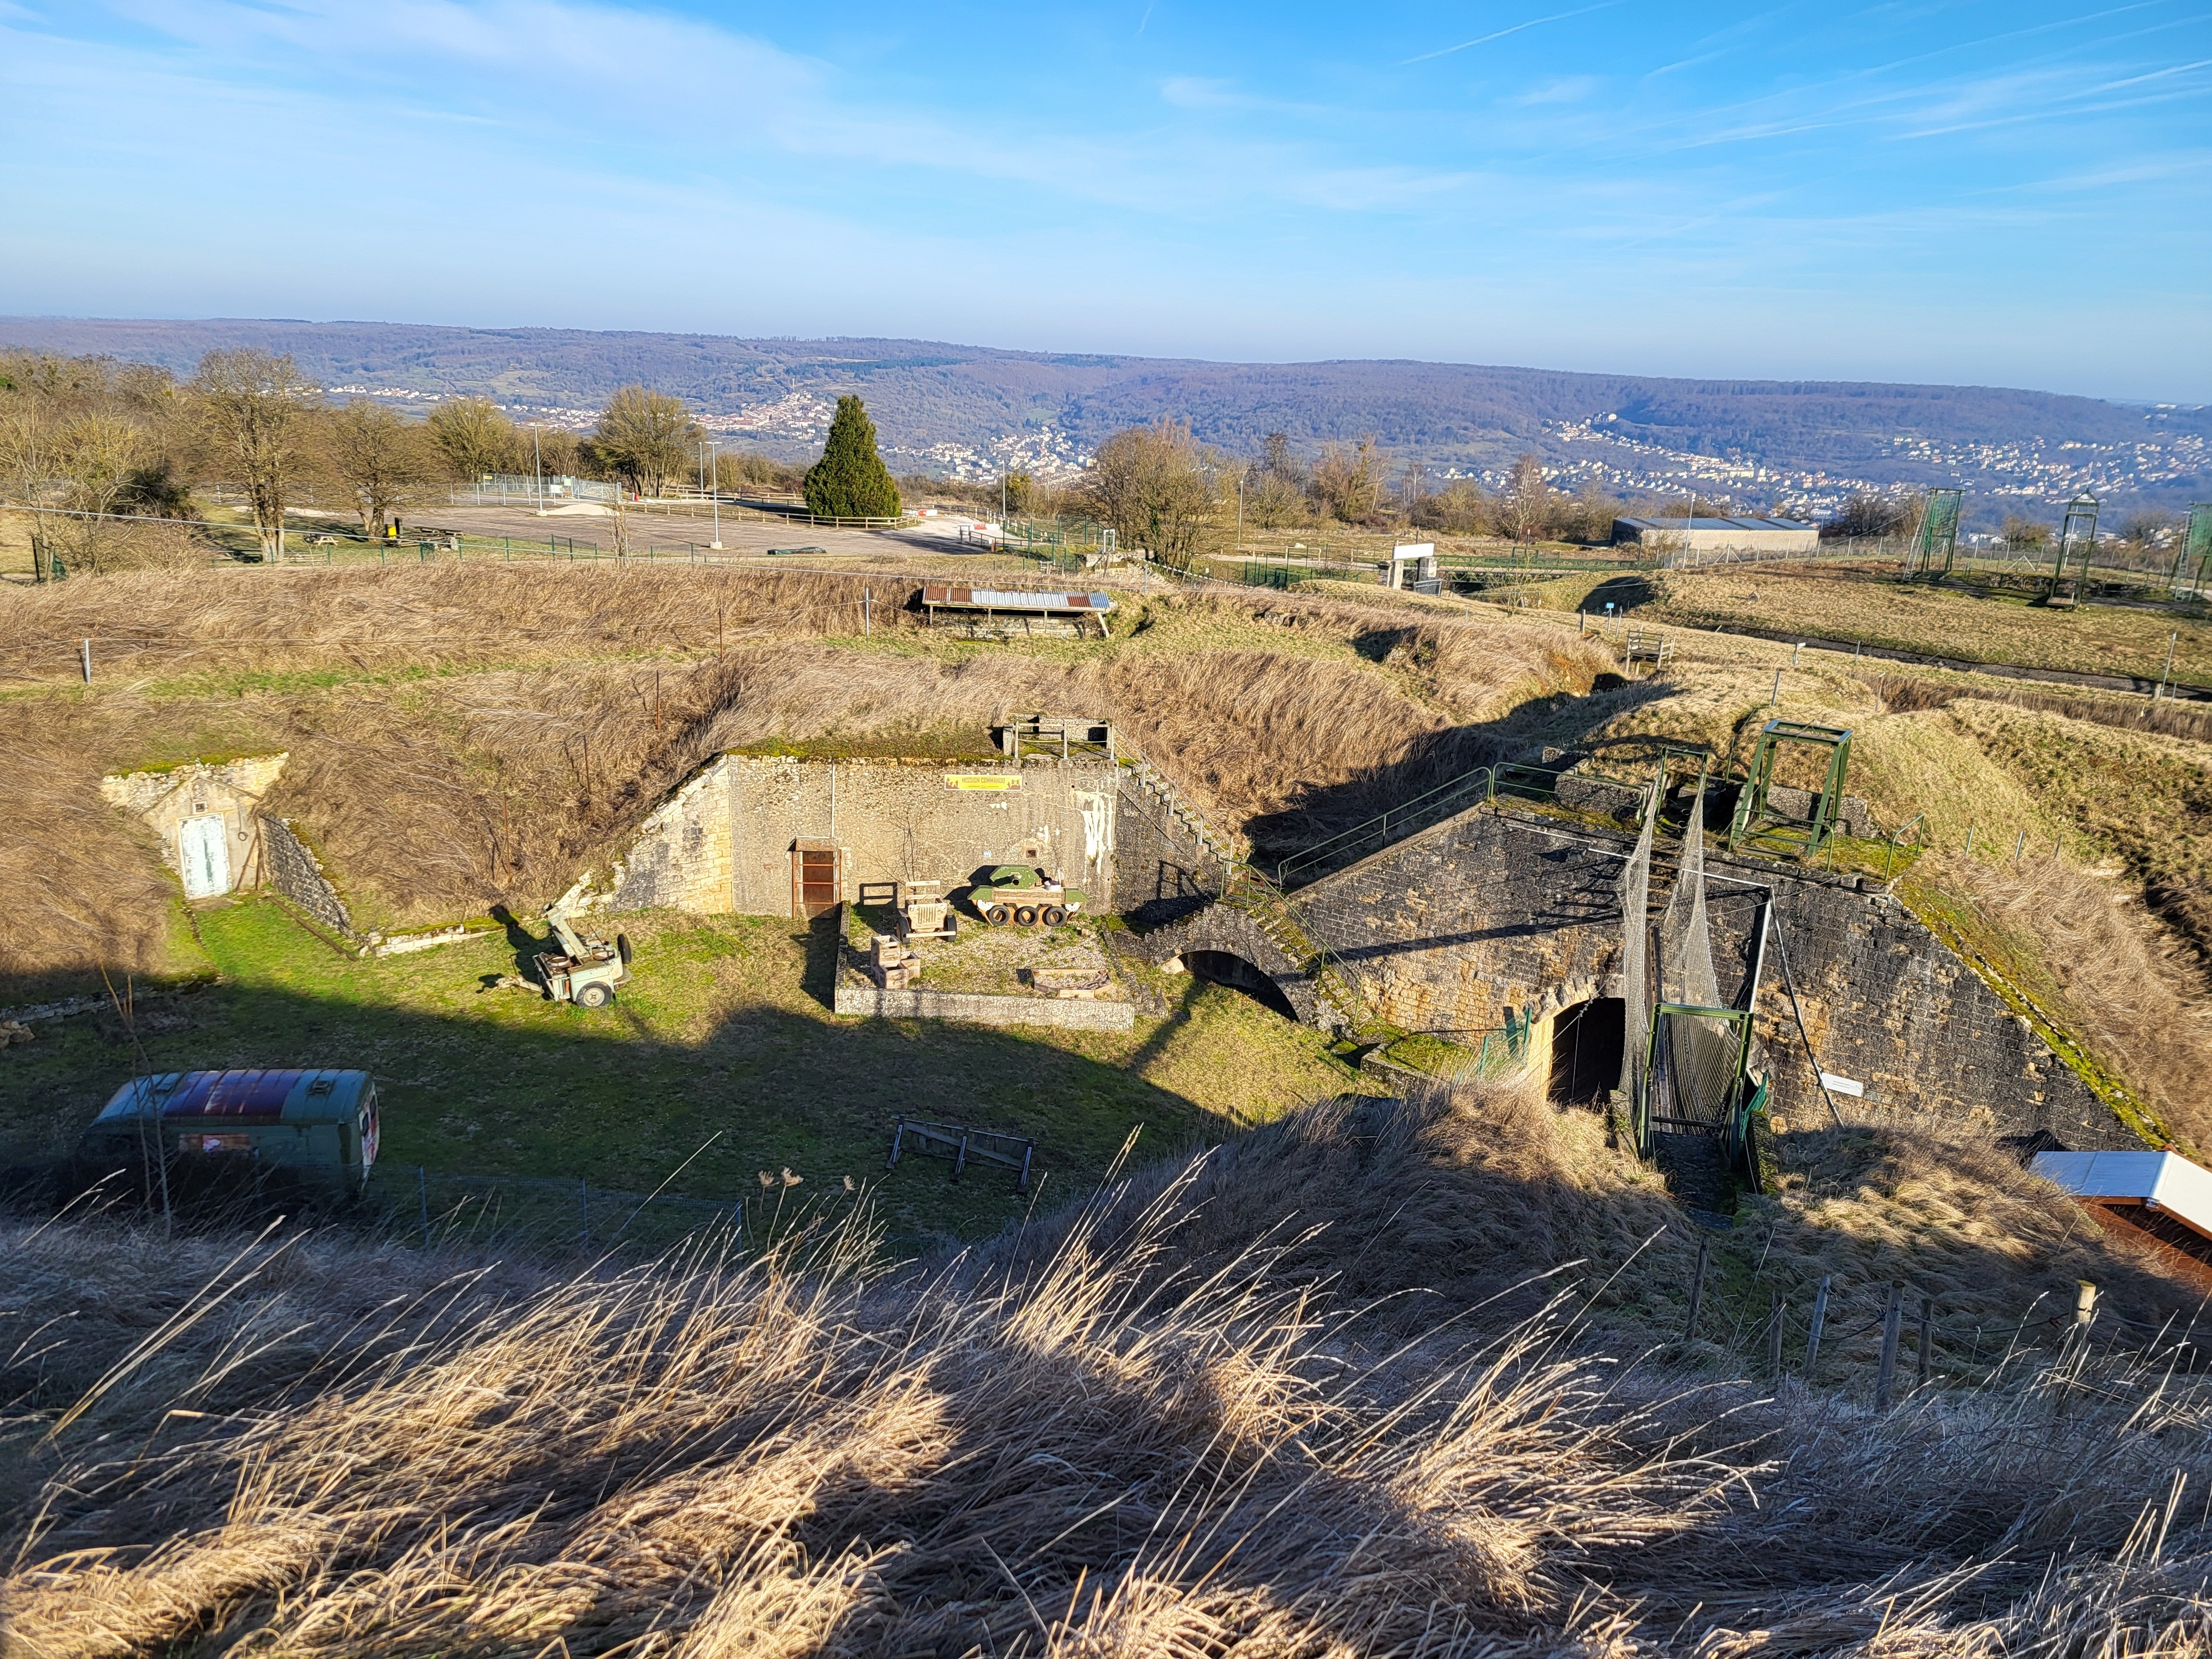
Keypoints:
pixel 1221 967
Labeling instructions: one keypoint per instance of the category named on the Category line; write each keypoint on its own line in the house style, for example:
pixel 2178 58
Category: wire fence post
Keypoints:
pixel 87 662
pixel 1892 1317
pixel 1813 1333
pixel 1777 1307
pixel 1927 1335
pixel 1697 1288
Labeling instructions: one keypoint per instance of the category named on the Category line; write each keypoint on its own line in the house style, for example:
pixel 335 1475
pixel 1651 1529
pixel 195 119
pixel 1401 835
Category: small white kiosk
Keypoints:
pixel 1413 568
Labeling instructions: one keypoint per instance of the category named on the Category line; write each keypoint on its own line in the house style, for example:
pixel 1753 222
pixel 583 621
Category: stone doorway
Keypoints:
pixel 1586 1050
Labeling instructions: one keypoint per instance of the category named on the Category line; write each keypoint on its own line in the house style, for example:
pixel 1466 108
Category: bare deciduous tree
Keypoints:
pixel 1459 508
pixel 253 409
pixel 95 459
pixel 26 467
pixel 647 438
pixel 1155 487
pixel 1525 504
pixel 377 458
pixel 474 437
pixel 1275 486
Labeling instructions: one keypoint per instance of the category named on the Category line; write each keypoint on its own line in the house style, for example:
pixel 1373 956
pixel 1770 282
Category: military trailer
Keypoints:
pixel 313 1131
pixel 584 970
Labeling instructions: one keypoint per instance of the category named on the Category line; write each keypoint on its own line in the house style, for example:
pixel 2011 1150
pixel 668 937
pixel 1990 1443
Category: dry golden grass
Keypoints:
pixel 1161 1425
pixel 1824 603
pixel 2125 985
pixel 435 795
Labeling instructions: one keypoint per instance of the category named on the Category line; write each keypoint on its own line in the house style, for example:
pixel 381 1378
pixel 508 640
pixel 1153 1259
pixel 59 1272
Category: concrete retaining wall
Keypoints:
pixel 1069 1013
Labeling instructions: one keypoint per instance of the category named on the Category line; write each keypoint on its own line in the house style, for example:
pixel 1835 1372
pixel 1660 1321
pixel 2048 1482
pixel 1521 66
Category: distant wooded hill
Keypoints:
pixel 944 407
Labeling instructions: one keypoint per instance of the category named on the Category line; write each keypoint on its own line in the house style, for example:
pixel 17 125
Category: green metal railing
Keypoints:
pixel 1481 787
pixel 1503 1050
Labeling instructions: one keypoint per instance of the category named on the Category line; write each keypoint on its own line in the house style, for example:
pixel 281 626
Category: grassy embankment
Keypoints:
pixel 461 736
pixel 1870 608
pixel 1183 1422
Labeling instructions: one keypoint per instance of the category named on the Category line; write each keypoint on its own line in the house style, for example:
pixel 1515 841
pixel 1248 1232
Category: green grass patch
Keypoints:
pixel 723 1037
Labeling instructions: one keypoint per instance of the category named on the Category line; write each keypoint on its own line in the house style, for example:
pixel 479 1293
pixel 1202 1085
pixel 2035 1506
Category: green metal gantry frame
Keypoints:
pixel 1756 826
pixel 2077 540
pixel 2194 555
pixel 1935 542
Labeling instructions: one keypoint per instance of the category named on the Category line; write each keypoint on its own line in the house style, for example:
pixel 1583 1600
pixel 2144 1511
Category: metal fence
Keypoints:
pixel 554 1215
pixel 1481 787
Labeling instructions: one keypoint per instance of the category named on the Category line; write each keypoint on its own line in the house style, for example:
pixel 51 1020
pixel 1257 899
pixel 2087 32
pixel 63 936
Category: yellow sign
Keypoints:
pixel 983 780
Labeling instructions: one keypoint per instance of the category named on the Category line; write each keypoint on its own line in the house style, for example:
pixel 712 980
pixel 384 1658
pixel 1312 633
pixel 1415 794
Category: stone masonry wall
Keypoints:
pixel 1489 912
pixel 295 872
pixel 1161 871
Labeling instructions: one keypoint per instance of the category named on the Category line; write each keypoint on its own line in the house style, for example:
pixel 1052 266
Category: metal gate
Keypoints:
pixel 204 856
pixel 1694 1069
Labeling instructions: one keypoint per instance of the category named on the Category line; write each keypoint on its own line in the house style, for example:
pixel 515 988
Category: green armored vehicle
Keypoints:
pixel 1024 895
pixel 310 1132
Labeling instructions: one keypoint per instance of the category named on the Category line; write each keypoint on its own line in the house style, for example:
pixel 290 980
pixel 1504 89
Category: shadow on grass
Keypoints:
pixel 504 1084
pixel 1431 761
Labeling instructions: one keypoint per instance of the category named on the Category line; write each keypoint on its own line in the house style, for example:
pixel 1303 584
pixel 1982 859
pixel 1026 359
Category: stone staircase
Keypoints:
pixel 1278 922
pixel 1247 890
pixel 1155 783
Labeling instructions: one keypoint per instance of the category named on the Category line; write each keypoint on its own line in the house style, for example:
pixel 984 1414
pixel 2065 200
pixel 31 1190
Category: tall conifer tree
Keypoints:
pixel 851 480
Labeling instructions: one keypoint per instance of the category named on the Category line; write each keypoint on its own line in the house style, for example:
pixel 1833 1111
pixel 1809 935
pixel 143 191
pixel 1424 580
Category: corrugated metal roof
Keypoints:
pixel 1011 599
pixel 245 1096
pixel 2165 1181
pixel 1717 524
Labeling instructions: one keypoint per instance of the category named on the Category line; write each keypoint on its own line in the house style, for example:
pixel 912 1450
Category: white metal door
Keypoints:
pixel 203 854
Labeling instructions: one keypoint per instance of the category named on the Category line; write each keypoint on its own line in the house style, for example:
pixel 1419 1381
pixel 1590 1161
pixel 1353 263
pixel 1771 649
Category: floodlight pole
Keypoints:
pixel 537 464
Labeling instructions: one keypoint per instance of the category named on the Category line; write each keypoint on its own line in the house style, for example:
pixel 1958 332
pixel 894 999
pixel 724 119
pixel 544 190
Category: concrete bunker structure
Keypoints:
pixel 207 815
pixel 783 835
pixel 1499 914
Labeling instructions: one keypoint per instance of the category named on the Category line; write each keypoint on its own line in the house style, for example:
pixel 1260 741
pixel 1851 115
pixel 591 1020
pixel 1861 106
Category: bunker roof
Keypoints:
pixel 243 1096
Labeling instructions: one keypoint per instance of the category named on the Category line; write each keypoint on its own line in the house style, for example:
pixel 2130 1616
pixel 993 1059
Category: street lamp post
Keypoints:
pixel 714 488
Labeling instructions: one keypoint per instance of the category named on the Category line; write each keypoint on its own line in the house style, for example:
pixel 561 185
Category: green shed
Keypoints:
pixel 316 1129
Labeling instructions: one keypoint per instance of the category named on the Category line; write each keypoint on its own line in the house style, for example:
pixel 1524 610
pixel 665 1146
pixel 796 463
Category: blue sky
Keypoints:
pixel 2013 193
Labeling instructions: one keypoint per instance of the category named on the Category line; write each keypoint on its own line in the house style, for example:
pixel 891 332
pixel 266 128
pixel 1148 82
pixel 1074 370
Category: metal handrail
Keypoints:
pixel 1490 779
pixel 1321 850
pixel 1918 819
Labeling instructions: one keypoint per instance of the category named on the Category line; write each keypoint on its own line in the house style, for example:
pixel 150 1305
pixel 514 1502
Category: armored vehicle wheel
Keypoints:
pixel 996 916
pixel 1025 916
pixel 1053 915
pixel 595 995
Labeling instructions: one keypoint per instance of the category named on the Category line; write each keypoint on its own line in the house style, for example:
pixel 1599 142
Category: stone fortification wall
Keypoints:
pixel 295 872
pixel 230 790
pixel 725 841
pixel 1161 871
pixel 681 858
pixel 1491 912
pixel 977 1008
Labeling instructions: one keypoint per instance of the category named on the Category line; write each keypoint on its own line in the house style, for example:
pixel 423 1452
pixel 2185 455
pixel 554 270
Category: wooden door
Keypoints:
pixel 813 880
